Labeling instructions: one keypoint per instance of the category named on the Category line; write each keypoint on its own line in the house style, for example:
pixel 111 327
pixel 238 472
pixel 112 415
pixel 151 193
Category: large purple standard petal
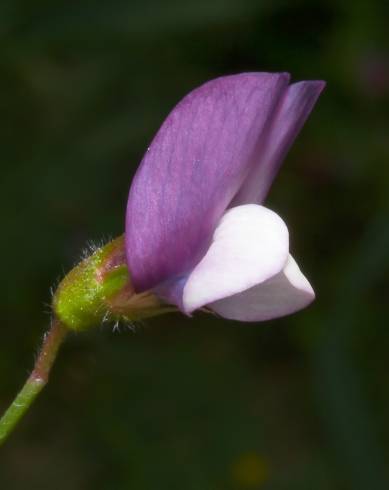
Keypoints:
pixel 293 110
pixel 193 168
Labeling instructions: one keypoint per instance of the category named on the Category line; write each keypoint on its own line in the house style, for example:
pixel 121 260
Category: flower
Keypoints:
pixel 197 233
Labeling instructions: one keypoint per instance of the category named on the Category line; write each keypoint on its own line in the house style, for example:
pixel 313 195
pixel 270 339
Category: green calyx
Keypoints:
pixel 100 288
pixel 79 301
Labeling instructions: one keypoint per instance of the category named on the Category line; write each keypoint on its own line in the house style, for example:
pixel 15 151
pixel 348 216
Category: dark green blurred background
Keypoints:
pixel 202 404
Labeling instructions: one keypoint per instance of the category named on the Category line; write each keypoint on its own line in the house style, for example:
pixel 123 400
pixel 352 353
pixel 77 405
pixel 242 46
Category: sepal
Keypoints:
pixel 100 288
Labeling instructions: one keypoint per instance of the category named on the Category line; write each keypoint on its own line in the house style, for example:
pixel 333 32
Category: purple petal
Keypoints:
pixel 294 108
pixel 283 294
pixel 193 168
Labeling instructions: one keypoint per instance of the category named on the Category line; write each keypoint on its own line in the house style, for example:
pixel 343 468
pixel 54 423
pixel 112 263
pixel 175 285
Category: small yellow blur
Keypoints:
pixel 251 471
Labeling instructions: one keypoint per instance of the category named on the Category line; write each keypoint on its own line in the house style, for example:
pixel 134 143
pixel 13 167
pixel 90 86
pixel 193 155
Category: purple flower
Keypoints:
pixel 196 231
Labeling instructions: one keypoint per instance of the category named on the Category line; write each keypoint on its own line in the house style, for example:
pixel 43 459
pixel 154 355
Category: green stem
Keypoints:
pixel 36 381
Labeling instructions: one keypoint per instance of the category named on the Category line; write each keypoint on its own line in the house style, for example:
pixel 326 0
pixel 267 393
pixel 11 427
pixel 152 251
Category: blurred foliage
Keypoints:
pixel 200 404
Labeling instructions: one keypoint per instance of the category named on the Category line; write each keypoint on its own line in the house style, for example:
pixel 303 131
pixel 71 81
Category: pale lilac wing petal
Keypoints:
pixel 250 245
pixel 283 294
pixel 193 168
pixel 294 108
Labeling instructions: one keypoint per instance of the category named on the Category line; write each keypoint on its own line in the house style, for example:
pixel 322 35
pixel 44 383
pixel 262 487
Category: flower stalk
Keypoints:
pixel 99 288
pixel 36 381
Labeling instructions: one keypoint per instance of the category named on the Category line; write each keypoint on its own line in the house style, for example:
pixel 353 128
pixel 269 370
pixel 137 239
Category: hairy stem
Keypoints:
pixel 36 381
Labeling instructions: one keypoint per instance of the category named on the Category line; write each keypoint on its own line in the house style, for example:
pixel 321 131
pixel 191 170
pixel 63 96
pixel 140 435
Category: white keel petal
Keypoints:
pixel 250 245
pixel 285 293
